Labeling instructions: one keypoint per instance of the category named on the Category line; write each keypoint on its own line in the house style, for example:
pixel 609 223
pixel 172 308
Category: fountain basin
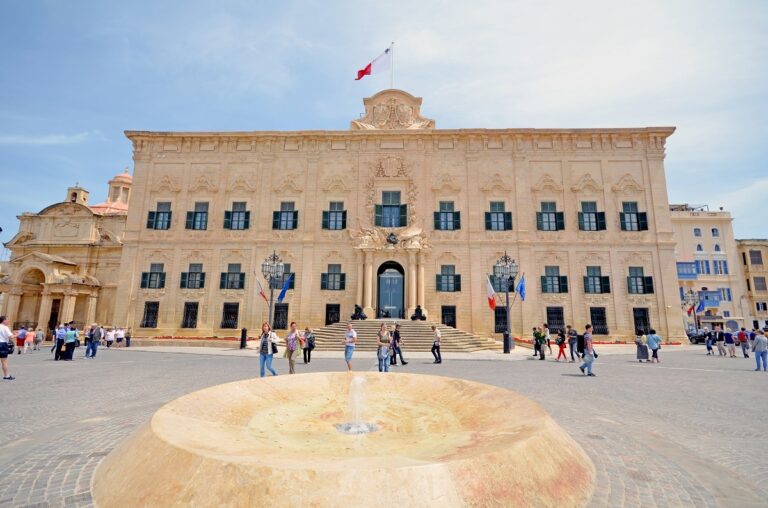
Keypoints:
pixel 274 442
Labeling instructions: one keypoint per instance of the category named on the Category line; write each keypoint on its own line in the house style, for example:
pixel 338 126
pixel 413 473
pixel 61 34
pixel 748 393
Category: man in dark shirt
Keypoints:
pixel 396 349
pixel 573 339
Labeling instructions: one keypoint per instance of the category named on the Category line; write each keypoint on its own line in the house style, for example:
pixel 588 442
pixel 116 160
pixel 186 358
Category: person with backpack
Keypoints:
pixel 743 339
pixel 654 344
pixel 21 338
pixel 589 353
pixel 39 336
pixel 308 345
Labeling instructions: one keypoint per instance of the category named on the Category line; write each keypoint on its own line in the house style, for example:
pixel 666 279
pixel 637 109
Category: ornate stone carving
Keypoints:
pixel 239 181
pixel 495 183
pixel 587 184
pixel 287 186
pixel 445 182
pixel 21 238
pixel 66 229
pixel 389 167
pixel 547 183
pixel 205 181
pixel 335 183
pixel 392 109
pixel 627 185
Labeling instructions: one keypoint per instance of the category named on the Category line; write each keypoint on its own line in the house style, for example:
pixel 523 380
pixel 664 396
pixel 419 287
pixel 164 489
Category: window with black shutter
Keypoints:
pixel 233 278
pixel 194 278
pixel 198 219
pixel 594 282
pixel 149 317
pixel 391 213
pixel 230 314
pixel 286 218
pixel 447 280
pixel 552 281
pixel 549 219
pixel 446 219
pixel 589 218
pixel 189 316
pixel 238 218
pixel 333 279
pixel 497 219
pixel 638 283
pixel 161 217
pixel 631 219
pixel 335 218
pixel 154 278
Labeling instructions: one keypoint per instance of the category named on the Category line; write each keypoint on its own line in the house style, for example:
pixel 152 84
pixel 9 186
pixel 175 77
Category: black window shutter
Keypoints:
pixel 161 280
pixel 456 220
pixel 275 220
pixel 223 281
pixel 227 220
pixel 539 221
pixel 601 221
pixel 247 221
pixel 183 280
pixel 144 280
pixel 581 221
pixel 342 281
pixel 326 220
pixel 344 219
pixel 241 282
pixel 586 282
pixel 642 221
pixel 629 284
pixel 487 221
pixel 563 283
pixel 202 280
pixel 543 283
pixel 621 221
pixel 151 220
pixel 605 284
pixel 560 220
pixel 403 215
pixel 457 282
pixel 190 220
pixel 438 282
pixel 507 221
pixel 323 281
pixel 648 284
pixel 295 219
pixel 170 215
pixel 437 221
pixel 377 215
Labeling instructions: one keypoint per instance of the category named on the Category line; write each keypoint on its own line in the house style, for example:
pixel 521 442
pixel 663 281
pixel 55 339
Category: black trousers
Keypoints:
pixel 393 359
pixel 59 351
pixel 436 353
pixel 70 350
pixel 307 354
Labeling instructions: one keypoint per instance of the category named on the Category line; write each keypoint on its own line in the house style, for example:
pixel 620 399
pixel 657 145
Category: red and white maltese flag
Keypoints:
pixel 381 63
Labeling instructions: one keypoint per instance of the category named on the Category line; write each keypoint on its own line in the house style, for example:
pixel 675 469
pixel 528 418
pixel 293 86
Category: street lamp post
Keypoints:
pixel 506 269
pixel 272 269
pixel 691 299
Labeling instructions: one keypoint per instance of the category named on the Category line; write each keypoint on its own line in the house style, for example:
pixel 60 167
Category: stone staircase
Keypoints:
pixel 416 336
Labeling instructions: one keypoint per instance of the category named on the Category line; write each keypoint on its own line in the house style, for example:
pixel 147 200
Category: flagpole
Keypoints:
pixel 392 67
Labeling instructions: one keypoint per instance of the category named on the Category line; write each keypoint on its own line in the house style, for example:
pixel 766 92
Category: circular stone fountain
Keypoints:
pixel 416 441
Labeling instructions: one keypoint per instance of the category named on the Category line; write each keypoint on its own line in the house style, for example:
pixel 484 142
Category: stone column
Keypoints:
pixel 368 298
pixel 420 297
pixel 411 283
pixel 45 310
pixel 90 310
pixel 68 306
pixel 359 282
pixel 13 299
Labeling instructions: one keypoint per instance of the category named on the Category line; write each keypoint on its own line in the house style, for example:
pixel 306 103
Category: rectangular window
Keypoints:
pixel 637 282
pixel 281 316
pixel 154 278
pixel 755 257
pixel 552 281
pixel 761 306
pixel 194 278
pixel 198 219
pixel 760 284
pixel 498 219
pixel 332 313
pixel 448 315
pixel 189 317
pixel 598 320
pixel 286 218
pixel 335 218
pixel 588 216
pixel 238 218
pixel 446 219
pixel 500 319
pixel 333 280
pixel 631 219
pixel 642 321
pixel 230 314
pixel 726 313
pixel 595 282
pixel 720 267
pixel 703 267
pixel 548 216
pixel 555 319
pixel 287 275
pixel 233 278
pixel 149 318
pixel 161 217
pixel 391 214
pixel 447 280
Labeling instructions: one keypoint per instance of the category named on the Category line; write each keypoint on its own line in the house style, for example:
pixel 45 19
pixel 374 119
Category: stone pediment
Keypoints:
pixel 67 209
pixel 45 258
pixel 586 184
pixel 391 110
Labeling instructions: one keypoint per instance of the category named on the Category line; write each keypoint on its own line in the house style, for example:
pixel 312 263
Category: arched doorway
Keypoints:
pixel 31 282
pixel 391 294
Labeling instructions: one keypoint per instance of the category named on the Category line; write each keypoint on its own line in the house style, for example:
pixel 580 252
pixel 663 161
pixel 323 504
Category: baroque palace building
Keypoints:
pixel 394 213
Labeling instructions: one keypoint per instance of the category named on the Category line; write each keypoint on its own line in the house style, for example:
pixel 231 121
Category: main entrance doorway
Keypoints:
pixel 391 295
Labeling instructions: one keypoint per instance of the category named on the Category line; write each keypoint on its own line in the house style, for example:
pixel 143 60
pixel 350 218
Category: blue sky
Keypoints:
pixel 74 75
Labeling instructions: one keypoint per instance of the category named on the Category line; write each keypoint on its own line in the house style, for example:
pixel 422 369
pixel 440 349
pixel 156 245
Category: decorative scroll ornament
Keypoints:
pixel 392 109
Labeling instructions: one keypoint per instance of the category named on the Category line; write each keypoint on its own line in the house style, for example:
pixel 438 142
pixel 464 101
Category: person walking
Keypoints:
pixel 94 343
pixel 548 338
pixel 654 344
pixel 573 339
pixel 708 340
pixel 641 342
pixel 309 344
pixel 21 338
pixel 383 341
pixel 542 340
pixel 560 341
pixel 39 337
pixel 6 340
pixel 61 335
pixel 110 337
pixel 69 342
pixel 119 337
pixel 536 341
pixel 397 346
pixel 719 338
pixel 292 346
pixel 350 339
pixel 267 348
pixel 730 343
pixel 589 352
pixel 743 338
pixel 759 347
pixel 436 345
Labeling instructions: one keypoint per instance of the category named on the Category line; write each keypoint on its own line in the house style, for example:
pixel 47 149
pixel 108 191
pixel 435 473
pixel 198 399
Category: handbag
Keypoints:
pixel 594 353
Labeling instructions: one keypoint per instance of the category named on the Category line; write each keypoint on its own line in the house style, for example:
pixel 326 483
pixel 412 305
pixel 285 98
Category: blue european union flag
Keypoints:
pixel 285 289
pixel 700 308
pixel 521 287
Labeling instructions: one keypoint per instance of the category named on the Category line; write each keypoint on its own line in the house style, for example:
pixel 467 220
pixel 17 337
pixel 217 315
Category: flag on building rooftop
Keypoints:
pixel 381 63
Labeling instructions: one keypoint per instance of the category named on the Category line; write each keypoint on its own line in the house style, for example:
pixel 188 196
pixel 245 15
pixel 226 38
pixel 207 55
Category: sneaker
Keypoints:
pixel 9 378
pixel 581 369
pixel 592 375
pixel 405 363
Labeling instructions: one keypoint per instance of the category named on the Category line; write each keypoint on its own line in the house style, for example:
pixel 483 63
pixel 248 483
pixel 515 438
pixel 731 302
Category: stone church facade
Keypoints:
pixel 395 213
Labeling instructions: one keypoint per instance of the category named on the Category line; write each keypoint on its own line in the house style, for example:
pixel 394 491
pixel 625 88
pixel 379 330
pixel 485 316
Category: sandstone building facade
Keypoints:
pixel 395 213
pixel 753 256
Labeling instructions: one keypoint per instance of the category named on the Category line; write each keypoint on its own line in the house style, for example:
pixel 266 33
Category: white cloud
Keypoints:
pixel 45 139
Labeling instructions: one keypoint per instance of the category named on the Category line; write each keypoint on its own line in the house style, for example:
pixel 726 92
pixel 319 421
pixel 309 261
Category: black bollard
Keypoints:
pixel 243 338
pixel 507 343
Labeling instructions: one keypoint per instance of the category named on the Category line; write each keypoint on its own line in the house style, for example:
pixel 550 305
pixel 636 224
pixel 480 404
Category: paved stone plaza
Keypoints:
pixel 688 432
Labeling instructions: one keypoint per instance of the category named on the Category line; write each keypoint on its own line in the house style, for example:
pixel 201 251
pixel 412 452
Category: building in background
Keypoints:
pixel 65 260
pixel 708 264
pixel 753 256
pixel 394 213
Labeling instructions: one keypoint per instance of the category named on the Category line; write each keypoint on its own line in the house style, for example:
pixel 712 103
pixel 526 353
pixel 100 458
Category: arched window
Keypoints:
pixel 715 232
pixel 717 248
pixel 699 248
pixel 696 231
